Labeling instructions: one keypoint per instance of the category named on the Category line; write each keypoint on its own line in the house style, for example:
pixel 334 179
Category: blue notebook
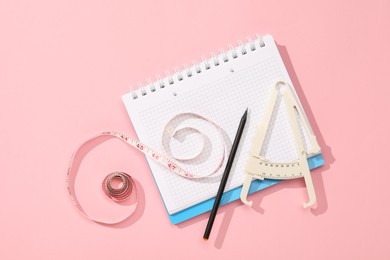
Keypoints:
pixel 193 115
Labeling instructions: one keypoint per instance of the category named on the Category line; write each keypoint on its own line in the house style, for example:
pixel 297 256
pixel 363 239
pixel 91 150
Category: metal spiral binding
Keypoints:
pixel 206 63
pixel 160 81
pixel 187 70
pixel 151 85
pixel 197 68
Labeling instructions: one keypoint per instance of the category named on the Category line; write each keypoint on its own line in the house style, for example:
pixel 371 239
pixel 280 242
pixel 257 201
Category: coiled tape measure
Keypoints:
pixel 166 159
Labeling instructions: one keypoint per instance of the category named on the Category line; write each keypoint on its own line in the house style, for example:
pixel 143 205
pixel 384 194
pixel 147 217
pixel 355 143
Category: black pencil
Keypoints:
pixel 225 176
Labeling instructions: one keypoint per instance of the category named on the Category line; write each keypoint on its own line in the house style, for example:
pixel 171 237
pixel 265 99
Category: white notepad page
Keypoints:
pixel 221 94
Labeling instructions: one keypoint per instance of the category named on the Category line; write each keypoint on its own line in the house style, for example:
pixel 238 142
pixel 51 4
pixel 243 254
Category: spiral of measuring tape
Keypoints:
pixel 127 186
pixel 121 193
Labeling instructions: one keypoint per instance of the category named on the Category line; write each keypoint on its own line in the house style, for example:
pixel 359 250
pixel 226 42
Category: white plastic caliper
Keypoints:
pixel 260 168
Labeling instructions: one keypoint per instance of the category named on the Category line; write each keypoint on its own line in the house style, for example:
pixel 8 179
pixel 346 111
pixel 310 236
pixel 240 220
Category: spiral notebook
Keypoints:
pixel 219 88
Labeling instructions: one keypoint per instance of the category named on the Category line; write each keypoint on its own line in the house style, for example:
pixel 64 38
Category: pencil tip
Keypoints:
pixel 246 112
pixel 205 239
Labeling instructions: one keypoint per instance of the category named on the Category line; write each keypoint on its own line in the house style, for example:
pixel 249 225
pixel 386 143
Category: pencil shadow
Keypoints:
pixel 225 212
pixel 77 160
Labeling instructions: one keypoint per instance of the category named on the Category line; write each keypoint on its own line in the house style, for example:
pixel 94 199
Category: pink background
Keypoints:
pixel 65 64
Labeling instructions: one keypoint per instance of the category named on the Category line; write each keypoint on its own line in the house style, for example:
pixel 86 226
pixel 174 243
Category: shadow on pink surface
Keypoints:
pixel 139 211
pixel 77 160
pixel 322 205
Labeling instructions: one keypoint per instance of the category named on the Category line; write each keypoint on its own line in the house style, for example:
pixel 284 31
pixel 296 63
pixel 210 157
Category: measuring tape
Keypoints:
pixel 167 159
pixel 260 168
pixel 120 193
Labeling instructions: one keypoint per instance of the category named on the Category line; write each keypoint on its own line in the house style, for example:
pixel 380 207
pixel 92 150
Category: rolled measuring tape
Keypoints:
pixel 118 193
pixel 173 129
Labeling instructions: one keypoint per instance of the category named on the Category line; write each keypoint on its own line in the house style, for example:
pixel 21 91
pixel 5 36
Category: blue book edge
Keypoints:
pixel 234 194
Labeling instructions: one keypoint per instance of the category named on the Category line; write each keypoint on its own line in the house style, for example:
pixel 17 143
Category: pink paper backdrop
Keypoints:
pixel 65 64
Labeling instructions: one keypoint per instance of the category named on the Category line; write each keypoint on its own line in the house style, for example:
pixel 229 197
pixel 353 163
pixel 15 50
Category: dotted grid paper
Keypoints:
pixel 224 101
